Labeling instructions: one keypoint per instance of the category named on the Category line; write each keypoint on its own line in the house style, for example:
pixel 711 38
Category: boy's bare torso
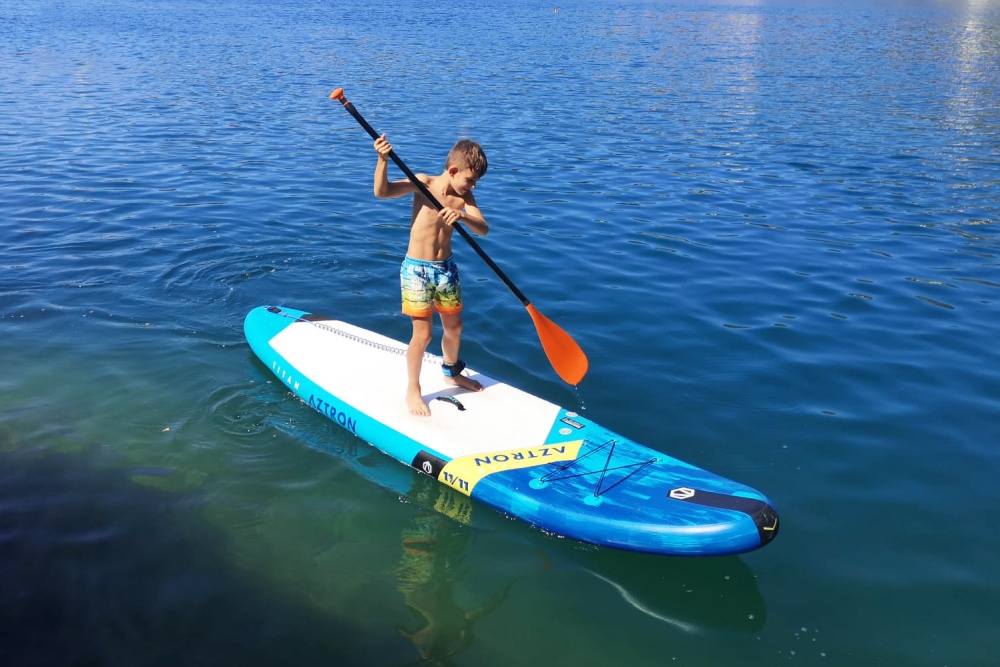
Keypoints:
pixel 430 238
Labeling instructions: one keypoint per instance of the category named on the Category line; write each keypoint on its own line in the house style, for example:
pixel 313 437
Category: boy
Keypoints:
pixel 429 277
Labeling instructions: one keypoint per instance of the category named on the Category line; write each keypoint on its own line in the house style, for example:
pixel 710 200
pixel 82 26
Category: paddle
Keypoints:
pixel 565 355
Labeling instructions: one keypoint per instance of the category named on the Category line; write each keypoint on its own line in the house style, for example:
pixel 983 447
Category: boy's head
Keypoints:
pixel 467 154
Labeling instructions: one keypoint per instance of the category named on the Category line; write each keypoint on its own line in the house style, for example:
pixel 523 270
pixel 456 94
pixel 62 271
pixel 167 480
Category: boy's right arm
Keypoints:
pixel 383 188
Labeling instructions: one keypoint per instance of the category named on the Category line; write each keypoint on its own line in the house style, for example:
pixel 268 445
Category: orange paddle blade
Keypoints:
pixel 566 357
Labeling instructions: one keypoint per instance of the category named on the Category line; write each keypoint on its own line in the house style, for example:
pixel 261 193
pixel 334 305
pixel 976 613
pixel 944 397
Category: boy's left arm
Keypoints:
pixel 473 217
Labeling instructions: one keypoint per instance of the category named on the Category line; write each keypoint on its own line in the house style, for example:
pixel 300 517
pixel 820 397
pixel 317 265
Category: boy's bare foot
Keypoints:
pixel 463 382
pixel 415 403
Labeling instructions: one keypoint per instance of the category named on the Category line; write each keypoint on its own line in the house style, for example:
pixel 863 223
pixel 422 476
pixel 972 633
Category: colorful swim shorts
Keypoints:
pixel 430 285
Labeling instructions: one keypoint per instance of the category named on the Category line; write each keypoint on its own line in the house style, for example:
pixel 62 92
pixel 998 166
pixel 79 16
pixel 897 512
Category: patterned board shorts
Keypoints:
pixel 430 286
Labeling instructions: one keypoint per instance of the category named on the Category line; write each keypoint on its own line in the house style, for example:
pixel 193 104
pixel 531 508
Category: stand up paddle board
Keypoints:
pixel 523 455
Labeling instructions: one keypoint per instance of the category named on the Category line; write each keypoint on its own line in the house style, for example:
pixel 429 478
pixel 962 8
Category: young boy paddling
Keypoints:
pixel 429 277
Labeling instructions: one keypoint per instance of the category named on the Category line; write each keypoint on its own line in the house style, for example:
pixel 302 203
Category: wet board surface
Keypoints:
pixel 521 454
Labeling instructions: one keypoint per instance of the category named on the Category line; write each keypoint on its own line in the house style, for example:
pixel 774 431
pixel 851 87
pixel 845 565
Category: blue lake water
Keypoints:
pixel 771 225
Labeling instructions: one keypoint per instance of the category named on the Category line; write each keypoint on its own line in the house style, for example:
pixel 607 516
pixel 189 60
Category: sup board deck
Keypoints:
pixel 523 455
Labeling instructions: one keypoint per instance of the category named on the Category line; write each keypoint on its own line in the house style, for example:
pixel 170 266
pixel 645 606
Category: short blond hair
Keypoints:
pixel 467 154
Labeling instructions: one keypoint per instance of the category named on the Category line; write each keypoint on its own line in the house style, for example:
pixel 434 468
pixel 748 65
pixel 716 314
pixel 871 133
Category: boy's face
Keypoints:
pixel 463 181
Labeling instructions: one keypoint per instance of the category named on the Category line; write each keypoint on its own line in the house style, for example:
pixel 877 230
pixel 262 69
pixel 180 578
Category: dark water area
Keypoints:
pixel 772 227
pixel 106 571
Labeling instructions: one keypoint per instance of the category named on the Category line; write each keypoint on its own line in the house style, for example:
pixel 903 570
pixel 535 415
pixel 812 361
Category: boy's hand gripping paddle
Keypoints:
pixel 566 357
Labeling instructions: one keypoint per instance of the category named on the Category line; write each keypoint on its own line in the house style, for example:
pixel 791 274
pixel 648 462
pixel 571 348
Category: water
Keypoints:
pixel 772 227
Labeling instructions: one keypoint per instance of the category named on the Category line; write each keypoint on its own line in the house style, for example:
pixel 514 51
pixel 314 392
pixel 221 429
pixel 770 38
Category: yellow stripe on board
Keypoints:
pixel 464 472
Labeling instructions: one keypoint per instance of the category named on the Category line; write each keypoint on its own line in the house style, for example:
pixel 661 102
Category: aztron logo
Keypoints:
pixel 682 493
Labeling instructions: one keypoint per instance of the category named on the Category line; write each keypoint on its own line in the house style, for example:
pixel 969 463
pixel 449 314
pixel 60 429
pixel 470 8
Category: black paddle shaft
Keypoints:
pixel 433 200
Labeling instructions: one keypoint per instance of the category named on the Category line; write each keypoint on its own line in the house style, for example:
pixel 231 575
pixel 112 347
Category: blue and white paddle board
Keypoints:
pixel 523 455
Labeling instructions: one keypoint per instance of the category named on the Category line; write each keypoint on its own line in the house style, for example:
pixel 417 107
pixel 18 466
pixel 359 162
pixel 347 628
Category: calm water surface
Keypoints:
pixel 772 226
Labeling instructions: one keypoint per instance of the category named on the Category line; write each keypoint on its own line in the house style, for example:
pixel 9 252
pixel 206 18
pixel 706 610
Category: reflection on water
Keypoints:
pixel 430 564
pixel 974 52
pixel 693 595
